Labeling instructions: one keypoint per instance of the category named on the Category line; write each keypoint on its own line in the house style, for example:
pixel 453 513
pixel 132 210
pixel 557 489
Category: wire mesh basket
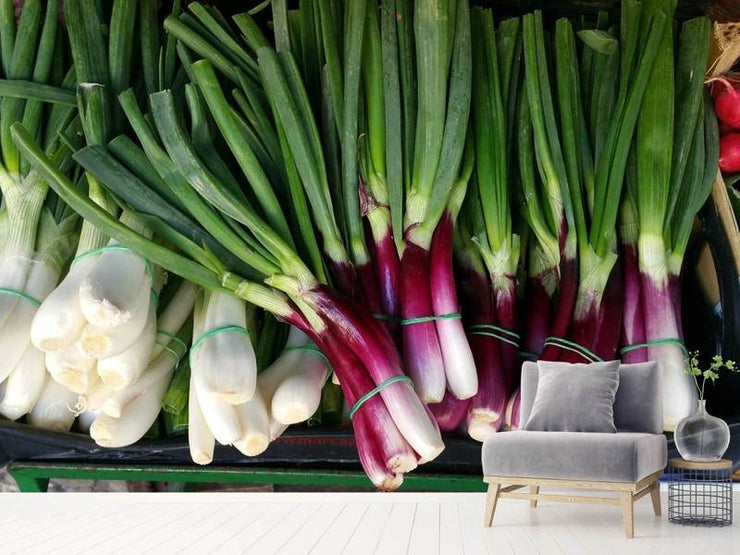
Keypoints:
pixel 700 493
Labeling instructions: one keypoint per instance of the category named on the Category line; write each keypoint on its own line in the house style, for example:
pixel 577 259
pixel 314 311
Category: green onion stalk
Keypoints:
pixel 596 151
pixel 556 269
pixel 381 161
pixel 102 66
pixel 495 80
pixel 436 351
pixel 29 54
pixel 672 183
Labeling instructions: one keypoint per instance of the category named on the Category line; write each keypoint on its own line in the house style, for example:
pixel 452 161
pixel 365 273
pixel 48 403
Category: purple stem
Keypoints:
pixel 633 321
pixel 610 316
pixel 566 302
pixel 450 412
pixel 422 353
pixel 537 315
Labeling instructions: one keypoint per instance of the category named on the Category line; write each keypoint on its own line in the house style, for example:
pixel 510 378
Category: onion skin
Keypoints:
pixel 459 365
pixel 388 275
pixel 633 320
pixel 370 342
pixel 367 288
pixel 489 403
pixel 610 316
pixel 729 152
pixel 537 315
pixel 450 412
pixel 679 393
pixel 566 302
pixel 421 349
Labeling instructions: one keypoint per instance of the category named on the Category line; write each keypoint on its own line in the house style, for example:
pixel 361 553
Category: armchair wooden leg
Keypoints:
pixel 491 500
pixel 655 497
pixel 628 514
pixel 535 490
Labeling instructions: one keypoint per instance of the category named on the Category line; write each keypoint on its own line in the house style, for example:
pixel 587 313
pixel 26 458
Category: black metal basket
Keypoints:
pixel 700 496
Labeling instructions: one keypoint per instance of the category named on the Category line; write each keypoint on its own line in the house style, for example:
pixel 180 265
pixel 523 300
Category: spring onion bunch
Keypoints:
pixel 396 428
pixel 671 184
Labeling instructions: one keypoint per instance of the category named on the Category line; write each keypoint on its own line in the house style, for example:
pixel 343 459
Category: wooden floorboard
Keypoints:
pixel 334 523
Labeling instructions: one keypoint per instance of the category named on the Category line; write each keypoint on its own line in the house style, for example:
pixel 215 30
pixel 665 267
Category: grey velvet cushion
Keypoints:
pixel 637 405
pixel 622 457
pixel 574 397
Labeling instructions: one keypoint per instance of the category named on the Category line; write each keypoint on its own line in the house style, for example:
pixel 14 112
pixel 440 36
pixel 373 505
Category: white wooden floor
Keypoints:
pixel 328 523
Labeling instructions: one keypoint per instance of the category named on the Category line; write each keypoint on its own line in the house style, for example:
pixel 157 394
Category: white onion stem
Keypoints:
pixel 70 367
pixel 200 439
pixel 255 425
pixel 52 410
pixel 160 369
pixel 226 363
pixel 134 422
pixel 123 369
pixel 59 321
pixel 24 385
pixel 15 336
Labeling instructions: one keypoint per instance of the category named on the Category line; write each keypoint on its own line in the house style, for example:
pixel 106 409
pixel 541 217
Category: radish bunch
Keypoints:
pixel 727 108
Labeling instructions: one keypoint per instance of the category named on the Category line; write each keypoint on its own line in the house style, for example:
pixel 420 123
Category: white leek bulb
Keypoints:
pixel 53 408
pixel 94 398
pixel 221 417
pixel 72 368
pixel 24 385
pixel 123 369
pixel 135 420
pixel 117 286
pixel 276 429
pixel 160 369
pixel 299 395
pixel 101 342
pixel 200 438
pixel 14 267
pixel 115 290
pixel 174 315
pixel 15 337
pixel 86 420
pixel 292 384
pixel 59 321
pixel 255 425
pixel 226 365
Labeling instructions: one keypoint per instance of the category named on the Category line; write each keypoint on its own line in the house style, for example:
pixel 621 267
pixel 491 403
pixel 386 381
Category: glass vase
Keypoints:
pixel 702 437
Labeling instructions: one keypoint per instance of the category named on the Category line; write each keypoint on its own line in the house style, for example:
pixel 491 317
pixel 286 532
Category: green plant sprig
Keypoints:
pixel 712 373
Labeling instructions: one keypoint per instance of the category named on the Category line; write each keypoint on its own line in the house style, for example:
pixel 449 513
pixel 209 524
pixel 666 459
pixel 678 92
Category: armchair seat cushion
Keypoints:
pixel 602 457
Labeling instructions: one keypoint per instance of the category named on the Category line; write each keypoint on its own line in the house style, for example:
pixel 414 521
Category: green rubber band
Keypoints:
pixel 497 332
pixel 655 342
pixel 173 338
pixel 496 336
pixel 310 347
pixel 514 335
pixel 171 351
pixel 388 317
pixel 116 247
pixel 423 319
pixel 210 333
pixel 21 295
pixel 574 348
pixel 373 392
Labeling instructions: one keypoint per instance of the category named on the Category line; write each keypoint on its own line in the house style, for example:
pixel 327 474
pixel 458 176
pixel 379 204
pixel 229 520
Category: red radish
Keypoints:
pixel 727 103
pixel 729 151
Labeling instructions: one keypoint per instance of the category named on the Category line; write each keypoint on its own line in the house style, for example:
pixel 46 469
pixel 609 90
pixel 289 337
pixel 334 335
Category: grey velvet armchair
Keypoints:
pixel 629 462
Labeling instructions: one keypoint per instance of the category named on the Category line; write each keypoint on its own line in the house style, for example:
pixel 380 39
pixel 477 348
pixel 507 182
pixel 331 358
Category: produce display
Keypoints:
pixel 227 222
